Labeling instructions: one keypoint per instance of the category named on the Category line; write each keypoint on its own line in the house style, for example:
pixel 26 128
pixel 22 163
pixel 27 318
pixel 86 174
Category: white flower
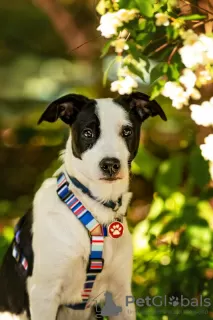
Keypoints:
pixel 120 45
pixel 192 55
pixel 176 93
pixel 180 101
pixel 162 19
pixel 203 114
pixel 197 50
pixel 126 15
pixel 124 86
pixel 203 77
pixel 194 94
pixel 124 72
pixel 206 41
pixel 188 78
pixel 189 36
pixel 111 21
pixel 123 34
pixel 109 24
pixel 207 148
pixel 208 45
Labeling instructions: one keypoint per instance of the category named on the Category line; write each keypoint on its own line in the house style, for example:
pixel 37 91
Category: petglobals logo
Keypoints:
pixel 164 301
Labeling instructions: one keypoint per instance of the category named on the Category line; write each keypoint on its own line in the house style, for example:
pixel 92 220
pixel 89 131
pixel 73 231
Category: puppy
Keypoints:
pixel 45 267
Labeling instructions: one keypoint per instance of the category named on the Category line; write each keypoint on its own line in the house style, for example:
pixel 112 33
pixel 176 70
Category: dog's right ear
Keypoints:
pixel 66 108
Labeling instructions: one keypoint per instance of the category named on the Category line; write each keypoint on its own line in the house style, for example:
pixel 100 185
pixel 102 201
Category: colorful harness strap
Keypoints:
pixel 97 233
pixel 16 252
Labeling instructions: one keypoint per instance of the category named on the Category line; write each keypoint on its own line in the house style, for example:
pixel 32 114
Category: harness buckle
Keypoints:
pixel 95 265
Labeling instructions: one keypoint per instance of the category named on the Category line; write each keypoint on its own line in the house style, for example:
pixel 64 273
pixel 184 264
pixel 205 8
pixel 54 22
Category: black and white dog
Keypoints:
pixel 104 138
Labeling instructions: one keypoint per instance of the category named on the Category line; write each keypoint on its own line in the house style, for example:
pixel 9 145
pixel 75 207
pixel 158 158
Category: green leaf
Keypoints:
pixel 190 216
pixel 160 56
pixel 127 4
pixel 147 163
pixel 157 87
pixel 107 71
pixel 173 225
pixel 150 26
pixel 172 33
pixel 158 70
pixel 141 24
pixel 106 48
pixel 143 38
pixel 145 7
pixel 199 168
pixel 135 70
pixel 169 176
pixel 193 17
pixel 136 53
pixel 173 72
pixel 199 237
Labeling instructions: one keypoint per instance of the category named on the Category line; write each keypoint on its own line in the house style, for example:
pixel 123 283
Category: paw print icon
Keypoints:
pixel 116 229
pixel 174 301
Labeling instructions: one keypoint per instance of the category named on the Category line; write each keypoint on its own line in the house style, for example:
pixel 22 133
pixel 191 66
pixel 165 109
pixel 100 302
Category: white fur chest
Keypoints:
pixel 62 246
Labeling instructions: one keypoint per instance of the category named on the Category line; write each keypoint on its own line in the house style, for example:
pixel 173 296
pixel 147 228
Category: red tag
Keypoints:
pixel 116 229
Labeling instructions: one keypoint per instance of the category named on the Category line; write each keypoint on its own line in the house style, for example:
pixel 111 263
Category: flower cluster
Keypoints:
pixel 111 21
pixel 203 114
pixel 197 57
pixel 162 19
pixel 124 85
pixel 127 80
pixel 197 49
pixel 191 55
pixel 181 92
pixel 207 148
pixel 120 45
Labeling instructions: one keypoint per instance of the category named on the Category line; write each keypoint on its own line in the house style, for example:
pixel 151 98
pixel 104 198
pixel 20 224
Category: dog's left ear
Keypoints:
pixel 66 108
pixel 143 106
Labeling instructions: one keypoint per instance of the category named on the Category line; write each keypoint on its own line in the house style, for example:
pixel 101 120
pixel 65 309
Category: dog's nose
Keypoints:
pixel 110 166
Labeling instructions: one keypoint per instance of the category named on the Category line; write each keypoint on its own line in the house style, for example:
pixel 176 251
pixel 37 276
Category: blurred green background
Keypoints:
pixel 171 215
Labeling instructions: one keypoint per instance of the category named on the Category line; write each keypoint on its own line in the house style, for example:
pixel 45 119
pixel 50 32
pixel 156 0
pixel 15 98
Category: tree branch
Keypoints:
pixel 66 27
pixel 161 47
pixel 201 23
pixel 197 6
pixel 172 54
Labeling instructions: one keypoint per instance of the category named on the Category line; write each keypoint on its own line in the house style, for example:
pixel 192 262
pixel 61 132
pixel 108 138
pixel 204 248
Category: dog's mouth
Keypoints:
pixel 110 179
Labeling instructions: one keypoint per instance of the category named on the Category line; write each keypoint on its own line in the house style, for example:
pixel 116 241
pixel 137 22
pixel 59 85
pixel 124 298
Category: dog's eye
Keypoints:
pixel 126 132
pixel 88 133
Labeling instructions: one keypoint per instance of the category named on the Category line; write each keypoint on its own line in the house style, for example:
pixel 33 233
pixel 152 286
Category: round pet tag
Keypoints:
pixel 116 229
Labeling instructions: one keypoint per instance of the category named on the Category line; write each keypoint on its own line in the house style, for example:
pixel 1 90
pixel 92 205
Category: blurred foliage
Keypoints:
pixel 171 215
pixel 173 246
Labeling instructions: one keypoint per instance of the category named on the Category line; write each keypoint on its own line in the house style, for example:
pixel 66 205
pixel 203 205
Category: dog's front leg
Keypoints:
pixel 120 288
pixel 44 301
pixel 120 282
pixel 125 310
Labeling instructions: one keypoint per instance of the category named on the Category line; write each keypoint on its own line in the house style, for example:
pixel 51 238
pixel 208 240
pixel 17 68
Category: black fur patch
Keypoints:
pixel 13 291
pixel 86 119
pixel 139 107
pixel 132 141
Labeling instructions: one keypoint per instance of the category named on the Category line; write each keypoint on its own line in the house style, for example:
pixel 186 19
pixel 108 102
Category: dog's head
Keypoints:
pixel 105 133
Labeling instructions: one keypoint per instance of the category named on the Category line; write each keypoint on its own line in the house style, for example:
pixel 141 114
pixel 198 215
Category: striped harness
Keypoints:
pixel 16 252
pixel 97 233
